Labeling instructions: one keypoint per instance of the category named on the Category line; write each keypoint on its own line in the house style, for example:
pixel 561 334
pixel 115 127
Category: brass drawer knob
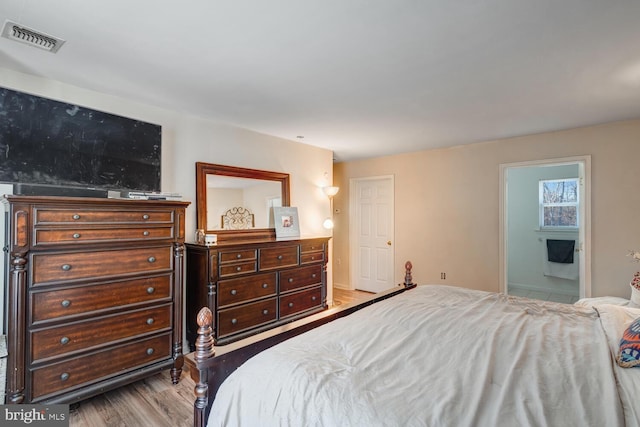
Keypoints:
pixel 313 298
pixel 312 257
pixel 265 312
pixel 313 276
pixel 150 351
pixel 145 233
pixel 76 235
pixel 239 256
pixel 64 340
pixel 145 216
pixel 76 217
pixel 150 321
pixel 66 267
pixel 238 268
pixel 234 321
pixel 279 256
pixel 64 376
pixel 290 279
pixel 265 285
pixel 151 259
pixel 65 303
pixel 290 304
pixel 233 292
pixel 151 290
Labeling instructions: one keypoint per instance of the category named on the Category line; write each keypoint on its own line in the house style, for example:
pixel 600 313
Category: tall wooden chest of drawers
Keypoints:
pixel 251 287
pixel 94 295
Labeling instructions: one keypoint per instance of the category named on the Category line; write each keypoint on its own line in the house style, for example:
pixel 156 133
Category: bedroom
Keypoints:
pixel 465 245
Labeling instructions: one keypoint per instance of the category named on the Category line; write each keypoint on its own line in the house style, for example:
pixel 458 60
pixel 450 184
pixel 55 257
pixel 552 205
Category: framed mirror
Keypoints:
pixel 235 203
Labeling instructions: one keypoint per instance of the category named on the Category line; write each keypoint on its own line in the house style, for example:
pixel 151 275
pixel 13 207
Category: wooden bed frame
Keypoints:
pixel 210 366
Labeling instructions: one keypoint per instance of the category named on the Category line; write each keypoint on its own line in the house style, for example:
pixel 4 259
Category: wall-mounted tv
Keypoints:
pixel 51 143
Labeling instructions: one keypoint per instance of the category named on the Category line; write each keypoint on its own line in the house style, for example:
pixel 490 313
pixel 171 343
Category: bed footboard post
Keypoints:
pixel 204 351
pixel 408 278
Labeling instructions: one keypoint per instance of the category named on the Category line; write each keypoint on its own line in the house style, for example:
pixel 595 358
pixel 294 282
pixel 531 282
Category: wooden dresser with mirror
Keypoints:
pixel 249 280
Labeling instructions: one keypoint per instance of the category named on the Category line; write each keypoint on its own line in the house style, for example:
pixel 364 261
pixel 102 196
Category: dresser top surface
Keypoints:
pixel 10 198
pixel 234 243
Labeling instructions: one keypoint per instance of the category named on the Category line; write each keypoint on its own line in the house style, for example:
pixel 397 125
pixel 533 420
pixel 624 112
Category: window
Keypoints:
pixel 559 203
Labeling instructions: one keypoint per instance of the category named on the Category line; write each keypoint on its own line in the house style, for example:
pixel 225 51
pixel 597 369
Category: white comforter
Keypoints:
pixel 433 356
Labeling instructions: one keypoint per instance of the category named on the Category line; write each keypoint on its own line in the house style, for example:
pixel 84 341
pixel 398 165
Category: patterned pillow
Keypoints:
pixel 629 355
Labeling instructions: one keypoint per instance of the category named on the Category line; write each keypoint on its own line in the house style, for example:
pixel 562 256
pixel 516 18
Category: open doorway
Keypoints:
pixel 545 208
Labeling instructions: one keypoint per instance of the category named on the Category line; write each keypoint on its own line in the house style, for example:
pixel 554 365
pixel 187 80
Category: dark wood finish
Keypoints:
pixel 50 379
pixel 209 366
pixel 297 302
pixel 94 295
pixel 244 283
pixel 204 169
pixel 243 289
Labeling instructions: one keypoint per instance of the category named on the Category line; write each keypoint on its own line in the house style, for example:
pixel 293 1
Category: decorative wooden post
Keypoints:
pixel 408 279
pixel 178 358
pixel 204 351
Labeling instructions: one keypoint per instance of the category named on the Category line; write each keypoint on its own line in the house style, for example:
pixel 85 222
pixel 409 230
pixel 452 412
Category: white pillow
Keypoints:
pixel 591 302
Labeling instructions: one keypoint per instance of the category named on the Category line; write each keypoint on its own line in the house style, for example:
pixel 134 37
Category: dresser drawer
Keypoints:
pixel 234 291
pixel 312 247
pixel 66 266
pixel 237 268
pixel 234 256
pixel 310 257
pixel 246 316
pixel 300 277
pixel 91 368
pixel 273 258
pixel 57 236
pixel 91 298
pixel 52 342
pixel 82 215
pixel 300 301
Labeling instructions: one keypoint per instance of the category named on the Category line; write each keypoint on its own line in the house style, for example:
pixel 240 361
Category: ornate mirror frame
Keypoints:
pixel 204 169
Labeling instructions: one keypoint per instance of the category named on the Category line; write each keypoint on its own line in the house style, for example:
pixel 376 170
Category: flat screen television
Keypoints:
pixel 51 143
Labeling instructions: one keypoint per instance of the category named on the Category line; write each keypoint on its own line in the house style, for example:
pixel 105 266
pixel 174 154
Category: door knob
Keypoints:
pixel 388 242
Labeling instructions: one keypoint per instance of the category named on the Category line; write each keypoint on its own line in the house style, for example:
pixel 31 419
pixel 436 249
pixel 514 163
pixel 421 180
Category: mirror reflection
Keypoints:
pixel 235 203
pixel 241 203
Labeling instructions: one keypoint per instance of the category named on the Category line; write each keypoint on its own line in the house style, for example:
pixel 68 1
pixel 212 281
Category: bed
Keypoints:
pixel 427 355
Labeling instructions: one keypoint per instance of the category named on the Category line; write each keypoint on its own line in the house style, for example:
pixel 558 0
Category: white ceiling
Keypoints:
pixel 361 77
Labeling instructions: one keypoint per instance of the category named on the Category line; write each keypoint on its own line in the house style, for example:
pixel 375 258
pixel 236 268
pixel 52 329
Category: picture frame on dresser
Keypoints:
pixel 286 222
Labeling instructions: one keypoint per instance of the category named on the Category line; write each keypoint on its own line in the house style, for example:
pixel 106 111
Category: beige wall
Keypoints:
pixel 187 139
pixel 447 205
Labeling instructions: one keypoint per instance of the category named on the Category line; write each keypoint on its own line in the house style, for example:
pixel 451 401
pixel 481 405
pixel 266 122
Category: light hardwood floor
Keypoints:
pixel 344 296
pixel 151 402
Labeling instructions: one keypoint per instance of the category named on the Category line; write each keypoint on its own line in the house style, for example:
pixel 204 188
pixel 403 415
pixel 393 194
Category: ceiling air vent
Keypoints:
pixel 22 34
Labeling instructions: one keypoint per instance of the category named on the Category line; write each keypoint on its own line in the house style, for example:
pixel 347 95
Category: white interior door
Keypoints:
pixel 372 233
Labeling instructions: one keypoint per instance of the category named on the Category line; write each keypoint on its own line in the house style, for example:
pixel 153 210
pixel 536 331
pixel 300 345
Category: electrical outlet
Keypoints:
pixel 443 276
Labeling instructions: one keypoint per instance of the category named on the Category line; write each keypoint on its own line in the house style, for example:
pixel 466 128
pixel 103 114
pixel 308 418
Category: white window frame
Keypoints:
pixel 543 205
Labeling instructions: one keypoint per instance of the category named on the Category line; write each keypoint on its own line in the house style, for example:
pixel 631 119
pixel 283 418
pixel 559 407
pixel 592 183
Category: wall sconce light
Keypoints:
pixel 330 192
